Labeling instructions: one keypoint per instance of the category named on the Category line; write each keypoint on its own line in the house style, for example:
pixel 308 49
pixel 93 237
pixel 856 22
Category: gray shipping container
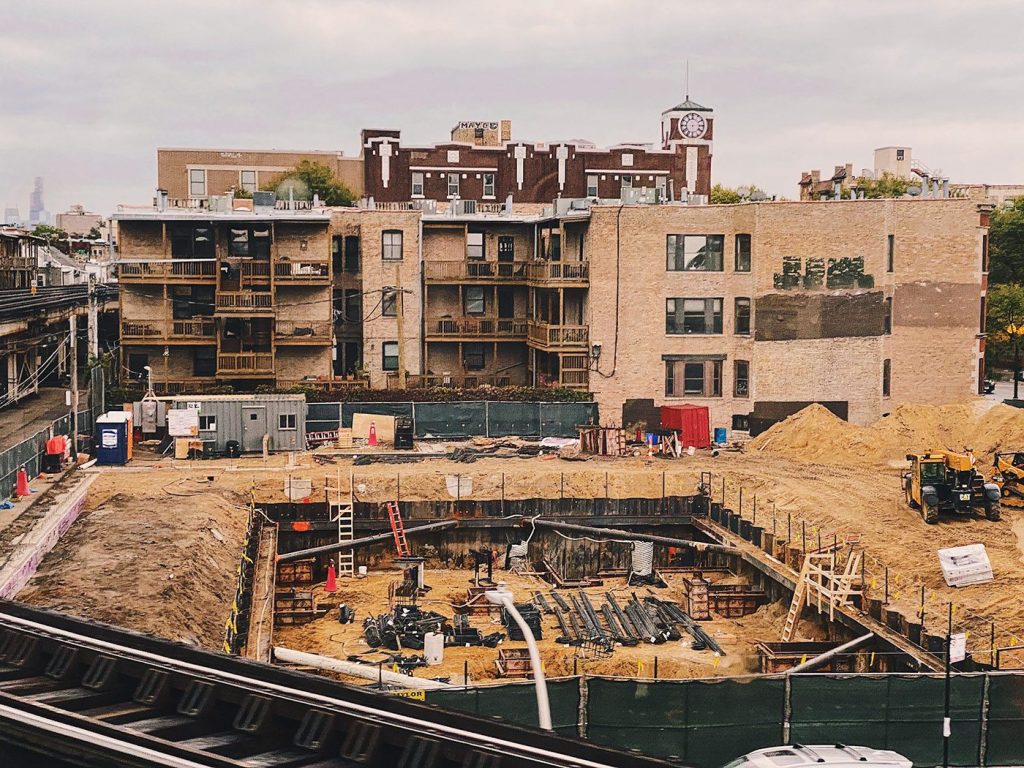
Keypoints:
pixel 244 419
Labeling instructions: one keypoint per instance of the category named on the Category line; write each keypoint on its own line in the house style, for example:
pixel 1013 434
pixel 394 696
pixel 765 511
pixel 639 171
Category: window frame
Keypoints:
pixel 676 385
pixel 678 323
pixel 673 253
pixel 389 246
pixel 596 179
pixel 737 302
pixel 742 237
pixel 491 184
pixel 389 304
pixel 385 356
pixel 192 182
pixel 456 186
pixel 421 183
pixel 466 301
pixel 887 317
pixel 737 365
pixel 284 418
pixel 887 377
pixel 210 419
pixel 625 181
pixel 890 253
pixel 466 354
pixel 248 186
pixel 476 251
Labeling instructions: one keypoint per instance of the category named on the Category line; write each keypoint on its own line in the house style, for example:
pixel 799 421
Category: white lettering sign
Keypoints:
pixel 182 422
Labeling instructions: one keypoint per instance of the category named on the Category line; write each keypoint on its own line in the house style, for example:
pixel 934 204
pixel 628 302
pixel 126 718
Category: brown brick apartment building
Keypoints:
pixel 750 309
pixel 481 162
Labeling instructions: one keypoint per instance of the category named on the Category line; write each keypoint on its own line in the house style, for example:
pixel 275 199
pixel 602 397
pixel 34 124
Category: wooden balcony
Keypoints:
pixel 451 381
pixel 475 271
pixel 167 271
pixel 245 303
pixel 303 332
pixel 475 328
pixel 195 331
pixel 554 274
pixel 245 364
pixel 256 269
pixel 554 337
pixel 303 271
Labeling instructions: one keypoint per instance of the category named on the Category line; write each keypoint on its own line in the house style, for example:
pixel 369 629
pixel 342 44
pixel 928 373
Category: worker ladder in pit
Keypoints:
pixel 819 585
pixel 342 510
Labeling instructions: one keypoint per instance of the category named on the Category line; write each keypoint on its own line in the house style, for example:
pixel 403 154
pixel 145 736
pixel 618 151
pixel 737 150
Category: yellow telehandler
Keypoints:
pixel 947 482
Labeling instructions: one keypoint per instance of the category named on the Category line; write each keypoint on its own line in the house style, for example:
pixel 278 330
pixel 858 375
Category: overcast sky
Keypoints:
pixel 88 90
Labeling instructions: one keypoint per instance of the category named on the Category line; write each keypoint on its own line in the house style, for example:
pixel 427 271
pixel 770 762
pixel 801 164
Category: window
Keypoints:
pixel 742 319
pixel 661 187
pixel 453 185
pixel 984 253
pixel 555 247
pixel 886 377
pixel 488 185
pixel 741 379
pixel 475 245
pixel 889 253
pixel 473 356
pixel 982 324
pixel 627 181
pixel 474 300
pixel 391 245
pixel 205 361
pixel 352 253
pixel 353 310
pixel 337 253
pixel 417 184
pixel 478 133
pixel 694 253
pixel 887 321
pixel 684 316
pixel 197 182
pixel 250 241
pixel 627 159
pixel 698 378
pixel 389 350
pixel 286 421
pixel 899 154
pixel 389 304
pixel 191 301
pixel 247 181
pixel 592 185
pixel 137 366
pixel 742 253
pixel 207 423
pixel 188 242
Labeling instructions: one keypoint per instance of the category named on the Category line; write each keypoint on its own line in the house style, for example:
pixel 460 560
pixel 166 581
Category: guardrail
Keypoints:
pixel 132 330
pixel 477 327
pixel 466 269
pixel 548 335
pixel 302 270
pixel 166 270
pixel 246 362
pixel 299 331
pixel 561 271
pixel 245 301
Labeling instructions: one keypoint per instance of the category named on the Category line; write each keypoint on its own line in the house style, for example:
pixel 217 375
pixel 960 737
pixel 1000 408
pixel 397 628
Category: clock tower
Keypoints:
pixel 687 130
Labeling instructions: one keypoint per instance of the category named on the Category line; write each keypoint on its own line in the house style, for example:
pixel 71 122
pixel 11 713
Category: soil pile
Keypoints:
pixel 816 435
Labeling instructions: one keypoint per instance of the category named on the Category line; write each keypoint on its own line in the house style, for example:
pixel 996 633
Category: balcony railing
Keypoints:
pixel 453 381
pixel 326 385
pixel 477 327
pixel 169 330
pixel 167 270
pixel 302 271
pixel 256 268
pixel 558 336
pixel 245 363
pixel 245 302
pixel 454 270
pixel 303 332
pixel 560 271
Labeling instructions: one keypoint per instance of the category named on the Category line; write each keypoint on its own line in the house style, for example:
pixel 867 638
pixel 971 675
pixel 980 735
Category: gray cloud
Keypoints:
pixel 89 90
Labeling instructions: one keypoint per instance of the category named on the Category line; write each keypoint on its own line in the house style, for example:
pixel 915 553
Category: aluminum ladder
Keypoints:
pixel 398 528
pixel 343 511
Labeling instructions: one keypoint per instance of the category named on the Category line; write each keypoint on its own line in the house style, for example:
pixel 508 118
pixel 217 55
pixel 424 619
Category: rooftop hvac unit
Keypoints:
pixel 427 206
pixel 217 203
pixel 579 204
pixel 467 207
pixel 264 199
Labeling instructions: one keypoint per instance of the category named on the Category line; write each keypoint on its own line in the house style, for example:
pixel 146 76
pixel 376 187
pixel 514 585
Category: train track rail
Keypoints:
pixel 79 693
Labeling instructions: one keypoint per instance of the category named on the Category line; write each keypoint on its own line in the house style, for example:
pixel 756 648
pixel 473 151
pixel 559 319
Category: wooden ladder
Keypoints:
pixel 398 528
pixel 799 596
pixel 343 511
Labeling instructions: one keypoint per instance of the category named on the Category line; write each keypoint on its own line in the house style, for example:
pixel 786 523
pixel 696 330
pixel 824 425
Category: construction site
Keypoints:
pixel 804 549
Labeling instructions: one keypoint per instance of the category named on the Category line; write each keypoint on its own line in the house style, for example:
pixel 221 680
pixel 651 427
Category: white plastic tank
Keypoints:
pixel 433 648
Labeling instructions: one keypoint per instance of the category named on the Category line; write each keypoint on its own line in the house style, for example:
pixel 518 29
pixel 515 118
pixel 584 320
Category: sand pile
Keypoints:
pixel 816 435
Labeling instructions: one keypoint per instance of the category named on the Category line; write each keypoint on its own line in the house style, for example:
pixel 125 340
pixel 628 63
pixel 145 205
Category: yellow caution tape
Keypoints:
pixel 871 663
pixel 639 668
pixel 803 659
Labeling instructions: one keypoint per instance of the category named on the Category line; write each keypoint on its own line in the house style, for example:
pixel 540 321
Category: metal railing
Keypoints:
pixel 476 327
pixel 204 328
pixel 246 362
pixel 165 270
pixel 453 381
pixel 299 331
pixel 563 271
pixel 465 269
pixel 549 335
pixel 245 301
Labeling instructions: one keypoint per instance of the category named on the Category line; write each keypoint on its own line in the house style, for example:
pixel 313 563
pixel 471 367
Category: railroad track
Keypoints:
pixel 78 693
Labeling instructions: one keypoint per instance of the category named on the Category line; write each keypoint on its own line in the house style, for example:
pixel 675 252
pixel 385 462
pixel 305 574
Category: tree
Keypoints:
pixel 1006 244
pixel 311 178
pixel 94 233
pixel 889 185
pixel 1004 325
pixel 54 236
pixel 724 195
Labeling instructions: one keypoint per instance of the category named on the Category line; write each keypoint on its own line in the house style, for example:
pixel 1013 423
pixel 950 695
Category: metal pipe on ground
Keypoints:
pixel 817 661
pixel 327 548
pixel 354 669
pixel 612 533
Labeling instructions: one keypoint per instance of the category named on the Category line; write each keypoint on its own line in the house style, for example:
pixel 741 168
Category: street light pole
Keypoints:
pixel 503 596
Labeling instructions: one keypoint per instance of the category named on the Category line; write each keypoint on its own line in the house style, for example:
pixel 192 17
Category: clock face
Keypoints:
pixel 692 125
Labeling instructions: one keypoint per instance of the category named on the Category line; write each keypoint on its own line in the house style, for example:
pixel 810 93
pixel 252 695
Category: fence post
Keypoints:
pixel 787 709
pixel 581 713
pixel 983 724
pixel 487 418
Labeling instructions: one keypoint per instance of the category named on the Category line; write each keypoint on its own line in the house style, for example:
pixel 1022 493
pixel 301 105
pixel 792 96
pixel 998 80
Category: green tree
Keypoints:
pixel 94 233
pixel 723 195
pixel 1006 244
pixel 889 185
pixel 54 236
pixel 311 178
pixel 1004 325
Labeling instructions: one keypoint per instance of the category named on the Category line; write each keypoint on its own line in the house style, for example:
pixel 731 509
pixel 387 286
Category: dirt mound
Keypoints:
pixel 816 435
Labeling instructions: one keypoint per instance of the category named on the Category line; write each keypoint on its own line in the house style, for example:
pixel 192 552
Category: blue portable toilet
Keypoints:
pixel 114 438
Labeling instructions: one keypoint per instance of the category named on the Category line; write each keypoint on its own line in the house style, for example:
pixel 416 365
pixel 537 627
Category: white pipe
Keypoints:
pixel 354 669
pixel 817 661
pixel 539 683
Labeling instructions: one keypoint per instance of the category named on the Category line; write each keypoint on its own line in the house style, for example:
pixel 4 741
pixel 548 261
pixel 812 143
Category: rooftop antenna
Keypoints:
pixel 687 80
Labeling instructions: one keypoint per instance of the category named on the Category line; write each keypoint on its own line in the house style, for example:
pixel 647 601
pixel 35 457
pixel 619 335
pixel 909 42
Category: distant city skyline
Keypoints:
pixel 938 76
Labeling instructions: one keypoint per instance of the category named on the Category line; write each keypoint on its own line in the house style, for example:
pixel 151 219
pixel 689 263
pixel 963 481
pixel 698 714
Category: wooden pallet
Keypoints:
pixel 696 601
pixel 295 572
pixel 514 662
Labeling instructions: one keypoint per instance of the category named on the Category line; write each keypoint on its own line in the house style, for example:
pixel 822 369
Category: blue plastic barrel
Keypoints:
pixel 720 435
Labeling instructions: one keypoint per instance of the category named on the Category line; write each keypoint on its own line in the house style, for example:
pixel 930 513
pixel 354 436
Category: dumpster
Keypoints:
pixel 692 422
pixel 114 438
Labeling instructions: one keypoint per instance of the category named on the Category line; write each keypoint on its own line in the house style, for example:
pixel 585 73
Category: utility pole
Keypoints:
pixel 400 317
pixel 73 325
pixel 94 329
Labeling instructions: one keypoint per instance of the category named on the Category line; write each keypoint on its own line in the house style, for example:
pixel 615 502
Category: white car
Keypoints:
pixel 831 755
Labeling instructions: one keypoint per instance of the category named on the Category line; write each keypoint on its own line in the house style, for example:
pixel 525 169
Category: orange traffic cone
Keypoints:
pixel 373 433
pixel 332 579
pixel 22 489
